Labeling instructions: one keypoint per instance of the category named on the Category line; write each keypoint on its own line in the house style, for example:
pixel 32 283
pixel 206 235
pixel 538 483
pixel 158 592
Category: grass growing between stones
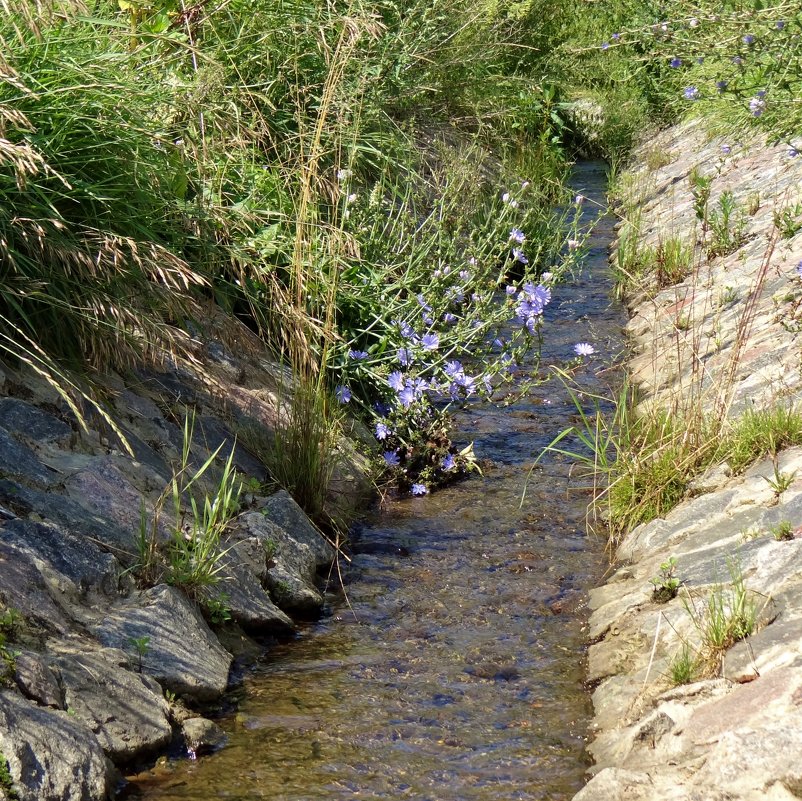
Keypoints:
pixel 643 461
pixel 728 614
pixel 192 557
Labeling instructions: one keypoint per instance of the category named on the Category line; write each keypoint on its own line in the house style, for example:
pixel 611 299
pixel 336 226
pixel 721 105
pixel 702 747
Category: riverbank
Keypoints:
pixel 698 697
pixel 107 659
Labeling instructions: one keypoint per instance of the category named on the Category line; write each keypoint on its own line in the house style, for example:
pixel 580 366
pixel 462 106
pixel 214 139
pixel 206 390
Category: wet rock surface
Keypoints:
pixel 730 335
pixel 94 642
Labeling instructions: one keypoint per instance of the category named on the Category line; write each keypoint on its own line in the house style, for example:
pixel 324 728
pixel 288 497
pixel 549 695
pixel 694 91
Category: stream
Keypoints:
pixel 454 671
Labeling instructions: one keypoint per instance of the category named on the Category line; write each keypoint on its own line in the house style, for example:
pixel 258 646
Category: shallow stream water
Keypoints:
pixel 457 671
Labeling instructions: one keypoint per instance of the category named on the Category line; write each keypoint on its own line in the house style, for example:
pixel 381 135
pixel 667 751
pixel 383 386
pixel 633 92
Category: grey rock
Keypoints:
pixel 37 681
pixel 285 512
pixel 70 515
pixel 249 604
pixel 19 462
pixel 210 434
pixel 291 570
pixel 126 711
pixel 23 588
pixel 33 425
pixel 50 755
pixel 183 654
pixel 108 493
pixel 73 566
pixel 202 736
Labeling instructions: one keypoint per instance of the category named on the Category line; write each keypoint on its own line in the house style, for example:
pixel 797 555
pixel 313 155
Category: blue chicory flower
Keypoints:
pixel 517 235
pixel 419 489
pixel 391 458
pixel 357 355
pixel 448 462
pixel 675 62
pixel 584 349
pixel 404 356
pixel 430 341
pixel 343 393
pixel 691 93
pixel 396 380
pixel 382 431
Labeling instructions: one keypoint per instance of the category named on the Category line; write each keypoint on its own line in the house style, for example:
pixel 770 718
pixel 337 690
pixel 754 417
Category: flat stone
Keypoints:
pixel 51 755
pixel 36 681
pixel 21 464
pixel 32 425
pixel 23 588
pixel 108 493
pixel 182 654
pixel 72 565
pixel 210 434
pixel 126 711
pixel 71 516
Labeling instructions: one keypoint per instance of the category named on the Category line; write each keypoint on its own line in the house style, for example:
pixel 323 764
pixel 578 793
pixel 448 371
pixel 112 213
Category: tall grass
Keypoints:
pixel 162 159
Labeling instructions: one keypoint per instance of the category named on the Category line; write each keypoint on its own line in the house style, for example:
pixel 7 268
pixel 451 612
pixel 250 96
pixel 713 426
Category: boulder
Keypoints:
pixel 282 510
pixel 247 601
pixel 202 736
pixel 126 711
pixel 288 566
pixel 50 755
pixel 180 650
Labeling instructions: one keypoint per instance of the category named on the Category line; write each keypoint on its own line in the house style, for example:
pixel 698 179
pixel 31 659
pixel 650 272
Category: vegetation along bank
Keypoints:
pixel 247 249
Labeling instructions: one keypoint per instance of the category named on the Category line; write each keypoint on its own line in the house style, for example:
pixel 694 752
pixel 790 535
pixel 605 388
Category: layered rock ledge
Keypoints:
pixel 728 338
pixel 101 669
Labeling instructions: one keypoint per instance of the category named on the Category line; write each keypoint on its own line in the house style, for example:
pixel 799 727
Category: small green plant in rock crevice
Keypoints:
pixel 728 615
pixel 726 224
pixel 193 557
pixel 683 668
pixel 666 583
pixel 789 221
pixel 783 531
pixel 7 789
pixel 141 647
pixel 10 624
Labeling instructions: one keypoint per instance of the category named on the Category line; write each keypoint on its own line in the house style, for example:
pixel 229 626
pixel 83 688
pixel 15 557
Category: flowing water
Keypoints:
pixel 457 671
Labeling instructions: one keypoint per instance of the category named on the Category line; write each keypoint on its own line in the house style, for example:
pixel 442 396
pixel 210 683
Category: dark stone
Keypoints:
pixel 75 558
pixel 70 515
pixel 210 434
pixel 33 425
pixel 19 462
pixel 23 588
pixel 37 681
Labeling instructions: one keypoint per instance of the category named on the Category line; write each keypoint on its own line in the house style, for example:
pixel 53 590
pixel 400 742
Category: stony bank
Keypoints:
pixel 678 714
pixel 100 669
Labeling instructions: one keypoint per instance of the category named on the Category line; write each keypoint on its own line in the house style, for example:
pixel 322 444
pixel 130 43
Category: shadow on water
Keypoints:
pixel 457 671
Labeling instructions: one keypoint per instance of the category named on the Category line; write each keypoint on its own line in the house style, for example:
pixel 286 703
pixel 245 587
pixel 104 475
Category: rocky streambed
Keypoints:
pixel 726 339
pixel 98 670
